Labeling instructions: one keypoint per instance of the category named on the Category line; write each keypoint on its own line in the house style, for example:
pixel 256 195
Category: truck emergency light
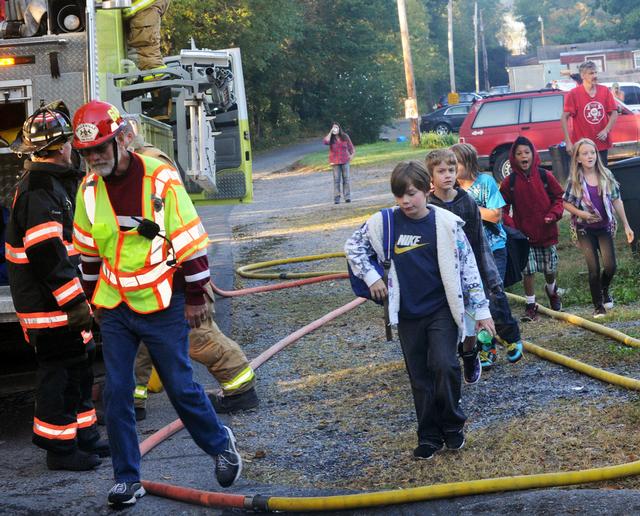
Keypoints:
pixel 11 61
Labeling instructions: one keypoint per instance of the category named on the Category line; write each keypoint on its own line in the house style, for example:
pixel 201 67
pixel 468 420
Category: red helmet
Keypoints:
pixel 95 123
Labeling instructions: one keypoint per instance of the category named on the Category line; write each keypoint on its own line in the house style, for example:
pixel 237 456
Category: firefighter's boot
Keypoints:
pixel 77 460
pixel 228 404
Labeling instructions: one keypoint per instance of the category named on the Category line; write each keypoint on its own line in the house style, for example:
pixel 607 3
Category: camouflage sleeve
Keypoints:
pixel 358 249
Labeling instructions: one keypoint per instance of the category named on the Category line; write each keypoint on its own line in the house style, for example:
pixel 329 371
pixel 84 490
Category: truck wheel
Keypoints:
pixel 501 166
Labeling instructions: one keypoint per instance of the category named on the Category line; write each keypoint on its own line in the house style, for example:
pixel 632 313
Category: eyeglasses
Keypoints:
pixel 98 149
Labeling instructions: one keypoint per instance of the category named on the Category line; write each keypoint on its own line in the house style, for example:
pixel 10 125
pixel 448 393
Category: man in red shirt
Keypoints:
pixel 593 109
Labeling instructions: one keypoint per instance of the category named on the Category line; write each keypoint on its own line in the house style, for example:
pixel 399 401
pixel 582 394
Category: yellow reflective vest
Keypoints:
pixel 134 268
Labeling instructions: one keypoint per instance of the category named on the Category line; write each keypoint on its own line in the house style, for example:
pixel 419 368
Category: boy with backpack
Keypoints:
pixel 432 280
pixel 535 198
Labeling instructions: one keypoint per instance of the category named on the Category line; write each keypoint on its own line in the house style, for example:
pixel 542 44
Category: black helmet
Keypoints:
pixel 49 128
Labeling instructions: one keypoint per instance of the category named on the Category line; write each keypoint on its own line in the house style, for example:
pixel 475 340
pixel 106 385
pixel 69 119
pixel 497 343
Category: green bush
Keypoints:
pixel 435 141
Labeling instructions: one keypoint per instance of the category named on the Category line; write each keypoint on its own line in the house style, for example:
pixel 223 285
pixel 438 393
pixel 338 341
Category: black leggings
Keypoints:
pixel 590 241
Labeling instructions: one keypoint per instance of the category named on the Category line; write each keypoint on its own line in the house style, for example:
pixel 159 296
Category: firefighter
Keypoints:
pixel 135 221
pixel 142 26
pixel 48 298
pixel 222 356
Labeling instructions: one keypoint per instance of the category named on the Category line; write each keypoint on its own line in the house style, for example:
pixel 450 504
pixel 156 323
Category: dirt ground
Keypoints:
pixel 337 410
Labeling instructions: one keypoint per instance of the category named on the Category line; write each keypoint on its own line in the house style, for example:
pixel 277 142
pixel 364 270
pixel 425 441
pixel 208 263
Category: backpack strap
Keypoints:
pixel 543 178
pixel 387 245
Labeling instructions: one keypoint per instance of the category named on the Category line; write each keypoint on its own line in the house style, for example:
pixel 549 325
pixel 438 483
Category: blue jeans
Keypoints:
pixel 506 325
pixel 341 177
pixel 166 335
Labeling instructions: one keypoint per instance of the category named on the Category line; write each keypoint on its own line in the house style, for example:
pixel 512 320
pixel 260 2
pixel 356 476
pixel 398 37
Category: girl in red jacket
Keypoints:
pixel 534 197
pixel 341 151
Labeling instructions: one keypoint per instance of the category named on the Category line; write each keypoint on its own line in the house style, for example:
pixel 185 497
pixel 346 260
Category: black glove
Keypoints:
pixel 79 317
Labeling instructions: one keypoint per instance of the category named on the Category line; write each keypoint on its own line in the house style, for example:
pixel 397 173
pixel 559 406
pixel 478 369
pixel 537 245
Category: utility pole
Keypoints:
pixel 452 72
pixel 541 20
pixel 475 44
pixel 411 104
pixel 485 60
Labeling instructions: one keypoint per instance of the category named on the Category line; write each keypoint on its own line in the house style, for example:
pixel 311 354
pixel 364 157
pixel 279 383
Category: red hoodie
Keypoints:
pixel 530 202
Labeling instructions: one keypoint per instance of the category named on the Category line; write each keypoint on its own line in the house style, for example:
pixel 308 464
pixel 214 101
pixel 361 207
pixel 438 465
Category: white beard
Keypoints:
pixel 103 169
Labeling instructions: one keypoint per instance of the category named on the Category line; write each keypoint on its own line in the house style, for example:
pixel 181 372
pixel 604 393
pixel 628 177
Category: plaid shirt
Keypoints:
pixel 340 151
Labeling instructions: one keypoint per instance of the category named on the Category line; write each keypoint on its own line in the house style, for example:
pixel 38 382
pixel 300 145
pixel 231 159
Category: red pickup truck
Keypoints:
pixel 494 123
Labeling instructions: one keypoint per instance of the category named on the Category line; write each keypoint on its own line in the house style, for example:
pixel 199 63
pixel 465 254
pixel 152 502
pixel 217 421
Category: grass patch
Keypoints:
pixel 378 153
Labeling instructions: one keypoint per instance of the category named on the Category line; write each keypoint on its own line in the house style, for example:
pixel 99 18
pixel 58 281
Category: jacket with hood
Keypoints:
pixel 530 202
pixel 465 207
pixel 458 270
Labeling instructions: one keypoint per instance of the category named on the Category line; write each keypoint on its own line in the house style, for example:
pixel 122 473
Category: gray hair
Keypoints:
pixel 587 65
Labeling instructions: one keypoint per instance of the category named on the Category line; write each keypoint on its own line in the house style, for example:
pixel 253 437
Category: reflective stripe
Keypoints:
pixel 87 419
pixel 93 259
pixel 90 277
pixel 71 250
pixel 164 289
pixel 37 320
pixel 140 392
pixel 83 239
pixel 135 281
pixel 56 432
pixel 243 377
pixel 196 277
pixel 89 196
pixel 67 291
pixel 15 254
pixel 125 221
pixel 42 232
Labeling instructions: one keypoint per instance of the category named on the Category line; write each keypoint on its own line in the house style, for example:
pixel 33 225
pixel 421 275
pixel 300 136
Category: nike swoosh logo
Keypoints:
pixel 400 250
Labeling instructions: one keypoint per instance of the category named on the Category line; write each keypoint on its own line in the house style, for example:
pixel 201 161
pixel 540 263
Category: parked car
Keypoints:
pixel 464 97
pixel 631 94
pixel 445 120
pixel 494 123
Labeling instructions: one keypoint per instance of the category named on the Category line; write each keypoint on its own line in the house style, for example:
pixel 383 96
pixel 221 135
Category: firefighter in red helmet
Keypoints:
pixel 48 298
pixel 136 225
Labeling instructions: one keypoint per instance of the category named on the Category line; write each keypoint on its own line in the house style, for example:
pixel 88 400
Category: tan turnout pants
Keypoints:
pixel 143 35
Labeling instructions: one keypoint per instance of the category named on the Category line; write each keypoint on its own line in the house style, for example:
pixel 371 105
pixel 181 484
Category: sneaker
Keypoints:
pixel 599 312
pixel 530 313
pixel 337 201
pixel 471 366
pixel 77 460
pixel 124 494
pixel 514 351
pixel 99 447
pixel 427 451
pixel 347 200
pixel 607 300
pixel 228 404
pixel 454 440
pixel 488 356
pixel 228 463
pixel 555 301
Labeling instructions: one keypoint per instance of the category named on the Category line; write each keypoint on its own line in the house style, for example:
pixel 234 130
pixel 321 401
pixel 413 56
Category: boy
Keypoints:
pixel 535 197
pixel 442 165
pixel 433 279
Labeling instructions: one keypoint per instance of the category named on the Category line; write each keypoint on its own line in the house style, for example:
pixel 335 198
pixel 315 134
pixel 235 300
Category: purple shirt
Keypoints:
pixel 598 204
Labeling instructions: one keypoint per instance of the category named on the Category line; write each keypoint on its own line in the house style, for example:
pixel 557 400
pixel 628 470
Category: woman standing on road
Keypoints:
pixel 341 150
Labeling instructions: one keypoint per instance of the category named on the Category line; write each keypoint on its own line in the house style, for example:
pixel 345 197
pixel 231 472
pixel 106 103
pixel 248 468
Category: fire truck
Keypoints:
pixel 76 51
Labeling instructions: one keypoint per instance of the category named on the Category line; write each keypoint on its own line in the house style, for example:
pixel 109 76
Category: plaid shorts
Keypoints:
pixel 542 259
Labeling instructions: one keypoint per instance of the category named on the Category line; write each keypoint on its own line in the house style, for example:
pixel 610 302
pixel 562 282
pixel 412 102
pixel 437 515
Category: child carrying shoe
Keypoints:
pixel 535 198
pixel 433 279
pixel 592 195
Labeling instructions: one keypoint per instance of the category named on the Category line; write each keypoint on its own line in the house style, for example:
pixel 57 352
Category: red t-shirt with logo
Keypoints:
pixel 590 114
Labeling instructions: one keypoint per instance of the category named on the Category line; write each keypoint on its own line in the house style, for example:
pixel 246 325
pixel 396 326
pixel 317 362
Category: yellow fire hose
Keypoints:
pixel 453 489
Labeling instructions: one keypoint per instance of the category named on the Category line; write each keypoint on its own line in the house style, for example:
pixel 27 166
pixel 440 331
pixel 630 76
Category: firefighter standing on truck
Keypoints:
pixel 47 294
pixel 136 224
pixel 222 356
